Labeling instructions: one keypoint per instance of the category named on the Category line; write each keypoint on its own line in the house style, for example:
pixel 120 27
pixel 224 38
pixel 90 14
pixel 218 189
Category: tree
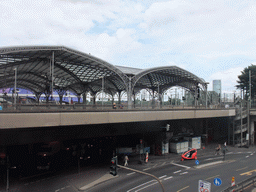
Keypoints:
pixel 243 82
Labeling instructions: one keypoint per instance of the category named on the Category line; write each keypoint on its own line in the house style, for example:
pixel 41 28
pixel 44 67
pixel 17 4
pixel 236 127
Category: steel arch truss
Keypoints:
pixel 165 78
pixel 73 70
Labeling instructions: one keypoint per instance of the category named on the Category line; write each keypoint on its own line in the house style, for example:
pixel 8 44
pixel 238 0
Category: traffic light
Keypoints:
pixel 113 167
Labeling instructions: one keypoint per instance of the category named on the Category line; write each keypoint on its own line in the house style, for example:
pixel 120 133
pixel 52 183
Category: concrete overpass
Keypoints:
pixel 50 119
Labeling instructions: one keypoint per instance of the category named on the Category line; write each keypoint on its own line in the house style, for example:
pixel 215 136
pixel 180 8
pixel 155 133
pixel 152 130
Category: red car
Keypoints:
pixel 190 154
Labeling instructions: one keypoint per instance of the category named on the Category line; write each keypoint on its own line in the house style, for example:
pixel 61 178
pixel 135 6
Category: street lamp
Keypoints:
pixel 15 84
pixel 206 102
pixel 102 91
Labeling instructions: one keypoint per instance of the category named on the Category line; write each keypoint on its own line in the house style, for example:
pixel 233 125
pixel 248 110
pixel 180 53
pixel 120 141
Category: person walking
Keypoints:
pixel 126 159
pixel 1 107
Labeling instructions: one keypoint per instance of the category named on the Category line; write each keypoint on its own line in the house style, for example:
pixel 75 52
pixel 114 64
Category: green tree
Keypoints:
pixel 243 81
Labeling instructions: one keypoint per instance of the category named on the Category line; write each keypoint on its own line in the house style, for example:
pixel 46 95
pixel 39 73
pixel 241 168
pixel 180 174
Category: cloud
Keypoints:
pixel 228 78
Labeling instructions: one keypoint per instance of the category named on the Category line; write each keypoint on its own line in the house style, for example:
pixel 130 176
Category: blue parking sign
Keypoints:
pixel 217 181
pixel 197 162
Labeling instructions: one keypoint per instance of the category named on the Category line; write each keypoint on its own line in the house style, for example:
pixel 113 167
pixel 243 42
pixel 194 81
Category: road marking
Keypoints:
pixel 146 169
pixel 241 169
pixel 57 190
pixel 182 189
pixel 251 153
pixel 168 178
pixel 247 156
pixel 181 165
pixel 213 158
pixel 131 173
pixel 146 186
pixel 229 153
pixel 141 185
pixel 177 171
pixel 63 188
pixel 163 163
pixel 249 172
pixel 212 177
pixel 162 177
pixel 183 173
pixel 239 152
pixel 208 164
pixel 155 165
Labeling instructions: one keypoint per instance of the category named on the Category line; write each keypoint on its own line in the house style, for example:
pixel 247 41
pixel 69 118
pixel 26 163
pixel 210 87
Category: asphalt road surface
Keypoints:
pixel 185 176
pixel 175 176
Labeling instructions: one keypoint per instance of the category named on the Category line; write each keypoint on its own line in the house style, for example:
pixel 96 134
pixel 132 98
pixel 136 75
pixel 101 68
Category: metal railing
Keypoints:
pixel 242 185
pixel 79 107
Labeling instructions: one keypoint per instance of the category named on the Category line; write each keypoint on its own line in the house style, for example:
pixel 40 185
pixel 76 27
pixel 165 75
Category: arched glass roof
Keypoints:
pixel 80 72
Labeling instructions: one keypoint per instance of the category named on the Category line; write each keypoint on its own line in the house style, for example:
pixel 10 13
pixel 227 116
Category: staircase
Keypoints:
pixel 241 121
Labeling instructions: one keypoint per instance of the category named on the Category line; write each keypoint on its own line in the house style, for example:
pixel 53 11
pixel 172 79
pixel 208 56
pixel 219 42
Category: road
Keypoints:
pixel 175 176
pixel 184 176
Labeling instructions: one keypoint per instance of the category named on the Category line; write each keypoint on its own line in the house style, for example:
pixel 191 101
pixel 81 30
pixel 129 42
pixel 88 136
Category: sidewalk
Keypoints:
pixel 102 174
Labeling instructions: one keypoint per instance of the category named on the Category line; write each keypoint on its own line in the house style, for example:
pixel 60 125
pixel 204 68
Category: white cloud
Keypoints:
pixel 228 78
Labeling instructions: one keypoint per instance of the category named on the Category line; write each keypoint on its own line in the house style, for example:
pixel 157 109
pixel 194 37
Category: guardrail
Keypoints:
pixel 240 186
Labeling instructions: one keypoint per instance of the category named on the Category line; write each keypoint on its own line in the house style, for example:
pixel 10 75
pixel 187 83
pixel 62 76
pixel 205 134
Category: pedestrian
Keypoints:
pixel 1 107
pixel 217 152
pixel 225 146
pixel 126 159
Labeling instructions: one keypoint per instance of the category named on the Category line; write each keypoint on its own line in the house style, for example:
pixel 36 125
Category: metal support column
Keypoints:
pixel 129 94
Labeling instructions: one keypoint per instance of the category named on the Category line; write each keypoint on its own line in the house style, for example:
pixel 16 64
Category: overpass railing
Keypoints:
pixel 50 107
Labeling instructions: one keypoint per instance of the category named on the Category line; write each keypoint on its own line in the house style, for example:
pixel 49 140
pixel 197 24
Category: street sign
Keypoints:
pixel 204 186
pixel 197 162
pixel 217 181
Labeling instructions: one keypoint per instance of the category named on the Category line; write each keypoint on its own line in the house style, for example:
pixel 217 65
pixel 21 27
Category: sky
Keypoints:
pixel 213 39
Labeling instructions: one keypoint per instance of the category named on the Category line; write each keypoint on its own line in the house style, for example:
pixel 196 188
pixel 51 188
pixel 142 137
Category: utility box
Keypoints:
pixel 194 142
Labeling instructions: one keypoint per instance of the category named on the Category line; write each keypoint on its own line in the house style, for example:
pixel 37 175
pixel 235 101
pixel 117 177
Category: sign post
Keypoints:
pixel 204 186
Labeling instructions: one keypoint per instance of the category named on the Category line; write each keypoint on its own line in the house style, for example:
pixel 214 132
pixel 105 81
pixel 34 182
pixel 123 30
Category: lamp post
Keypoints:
pixel 102 91
pixel 15 88
pixel 206 102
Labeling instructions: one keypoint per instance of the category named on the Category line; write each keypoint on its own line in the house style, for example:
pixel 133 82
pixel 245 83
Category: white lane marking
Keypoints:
pixel 239 152
pixel 208 164
pixel 247 156
pixel 146 186
pixel 181 165
pixel 213 158
pixel 155 165
pixel 168 178
pixel 183 173
pixel 57 190
pixel 251 153
pixel 141 185
pixel 177 171
pixel 229 153
pixel 162 177
pixel 163 163
pixel 63 188
pixel 146 169
pixel 131 173
pixel 67 186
